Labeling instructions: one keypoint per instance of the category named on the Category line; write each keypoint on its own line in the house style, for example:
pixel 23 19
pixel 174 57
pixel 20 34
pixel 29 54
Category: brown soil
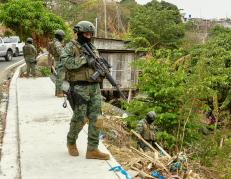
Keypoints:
pixel 4 89
pixel 122 145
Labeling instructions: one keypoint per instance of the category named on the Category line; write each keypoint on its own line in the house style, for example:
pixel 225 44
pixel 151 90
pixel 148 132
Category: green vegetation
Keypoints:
pixel 183 75
pixel 213 152
pixel 156 25
pixel 182 85
pixel 43 71
pixel 30 18
pixel 117 14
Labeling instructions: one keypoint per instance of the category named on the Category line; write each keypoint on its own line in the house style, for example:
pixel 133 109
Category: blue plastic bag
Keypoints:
pixel 157 175
pixel 121 170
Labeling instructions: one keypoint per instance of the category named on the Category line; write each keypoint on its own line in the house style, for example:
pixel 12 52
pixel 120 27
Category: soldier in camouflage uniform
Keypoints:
pixel 146 130
pixel 55 48
pixel 29 53
pixel 85 93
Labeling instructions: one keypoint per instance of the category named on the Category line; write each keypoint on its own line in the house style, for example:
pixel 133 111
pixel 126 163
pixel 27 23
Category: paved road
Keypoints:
pixel 4 64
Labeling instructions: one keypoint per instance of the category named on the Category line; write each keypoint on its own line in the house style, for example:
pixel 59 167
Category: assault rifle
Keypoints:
pixel 102 68
pixel 53 70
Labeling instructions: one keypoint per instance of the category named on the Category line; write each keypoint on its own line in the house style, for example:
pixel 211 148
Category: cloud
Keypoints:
pixel 202 8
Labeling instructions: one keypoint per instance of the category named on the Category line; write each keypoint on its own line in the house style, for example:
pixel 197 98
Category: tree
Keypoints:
pixel 30 18
pixel 127 7
pixel 118 14
pixel 156 25
pixel 181 90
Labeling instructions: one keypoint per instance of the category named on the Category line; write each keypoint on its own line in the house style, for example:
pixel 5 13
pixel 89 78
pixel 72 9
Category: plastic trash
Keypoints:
pixel 121 170
pixel 157 175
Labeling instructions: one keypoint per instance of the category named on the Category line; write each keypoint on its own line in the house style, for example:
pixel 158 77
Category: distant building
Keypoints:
pixel 206 24
pixel 224 22
pixel 183 18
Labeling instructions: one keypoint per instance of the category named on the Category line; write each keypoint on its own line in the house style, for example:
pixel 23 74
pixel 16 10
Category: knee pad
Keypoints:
pixel 99 122
pixel 86 120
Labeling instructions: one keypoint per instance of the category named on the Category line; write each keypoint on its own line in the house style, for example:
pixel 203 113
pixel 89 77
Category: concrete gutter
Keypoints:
pixel 4 73
pixel 10 163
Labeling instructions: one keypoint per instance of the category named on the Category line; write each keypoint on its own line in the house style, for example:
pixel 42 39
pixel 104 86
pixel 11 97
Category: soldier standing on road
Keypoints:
pixel 85 92
pixel 146 130
pixel 29 53
pixel 55 48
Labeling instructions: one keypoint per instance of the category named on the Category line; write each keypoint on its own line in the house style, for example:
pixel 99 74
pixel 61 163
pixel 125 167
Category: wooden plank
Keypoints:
pixel 150 146
pixel 142 173
pixel 159 163
pixel 161 149
pixel 144 141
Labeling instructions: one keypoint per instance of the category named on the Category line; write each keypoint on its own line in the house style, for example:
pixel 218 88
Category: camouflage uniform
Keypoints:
pixel 29 52
pixel 55 49
pixel 85 93
pixel 147 131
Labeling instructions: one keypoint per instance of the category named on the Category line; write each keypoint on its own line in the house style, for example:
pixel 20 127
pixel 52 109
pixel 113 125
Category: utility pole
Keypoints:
pixel 96 27
pixel 206 31
pixel 105 18
pixel 119 21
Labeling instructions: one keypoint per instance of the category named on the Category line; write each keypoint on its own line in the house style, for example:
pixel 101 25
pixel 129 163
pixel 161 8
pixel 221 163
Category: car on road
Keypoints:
pixel 7 50
pixel 16 42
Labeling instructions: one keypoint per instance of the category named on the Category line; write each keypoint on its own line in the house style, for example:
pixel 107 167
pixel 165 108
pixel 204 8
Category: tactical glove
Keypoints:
pixel 152 136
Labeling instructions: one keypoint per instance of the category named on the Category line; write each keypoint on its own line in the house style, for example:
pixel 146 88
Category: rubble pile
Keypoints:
pixel 155 163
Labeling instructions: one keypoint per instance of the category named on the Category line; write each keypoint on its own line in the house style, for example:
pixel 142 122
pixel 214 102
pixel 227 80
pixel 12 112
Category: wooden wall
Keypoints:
pixel 120 57
pixel 121 70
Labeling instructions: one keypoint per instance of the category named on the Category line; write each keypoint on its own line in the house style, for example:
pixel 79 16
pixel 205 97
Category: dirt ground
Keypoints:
pixel 4 89
pixel 118 140
pixel 139 164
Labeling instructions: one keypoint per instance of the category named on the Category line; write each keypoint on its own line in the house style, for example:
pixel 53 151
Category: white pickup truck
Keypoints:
pixel 16 42
pixel 6 50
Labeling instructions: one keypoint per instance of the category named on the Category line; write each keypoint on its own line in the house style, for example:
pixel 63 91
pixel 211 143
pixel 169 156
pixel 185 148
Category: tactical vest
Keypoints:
pixel 84 73
pixel 147 132
pixel 51 50
pixel 29 52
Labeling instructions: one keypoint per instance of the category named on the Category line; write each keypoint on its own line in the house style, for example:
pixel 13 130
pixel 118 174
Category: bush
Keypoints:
pixel 30 18
pixel 43 71
pixel 213 155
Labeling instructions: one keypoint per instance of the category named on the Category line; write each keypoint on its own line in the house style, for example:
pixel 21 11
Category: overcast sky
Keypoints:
pixel 202 8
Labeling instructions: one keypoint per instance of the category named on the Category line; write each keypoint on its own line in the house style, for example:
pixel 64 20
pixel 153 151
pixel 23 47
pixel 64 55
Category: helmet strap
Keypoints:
pixel 59 37
pixel 81 39
pixel 149 119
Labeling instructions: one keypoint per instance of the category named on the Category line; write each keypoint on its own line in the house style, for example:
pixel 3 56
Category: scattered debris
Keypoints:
pixel 4 87
pixel 155 163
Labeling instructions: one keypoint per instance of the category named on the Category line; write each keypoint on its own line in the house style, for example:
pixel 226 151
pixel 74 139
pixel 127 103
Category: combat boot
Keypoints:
pixel 96 154
pixel 59 94
pixel 72 150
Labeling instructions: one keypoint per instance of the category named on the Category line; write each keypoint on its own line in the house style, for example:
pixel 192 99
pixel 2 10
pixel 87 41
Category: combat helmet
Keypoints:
pixel 150 116
pixel 59 32
pixel 84 26
pixel 29 40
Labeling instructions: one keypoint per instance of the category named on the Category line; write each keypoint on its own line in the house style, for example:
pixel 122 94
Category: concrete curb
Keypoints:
pixel 10 164
pixel 3 75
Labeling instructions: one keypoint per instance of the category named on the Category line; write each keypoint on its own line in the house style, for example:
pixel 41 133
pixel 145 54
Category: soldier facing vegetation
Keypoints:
pixel 29 52
pixel 85 93
pixel 146 130
pixel 55 48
